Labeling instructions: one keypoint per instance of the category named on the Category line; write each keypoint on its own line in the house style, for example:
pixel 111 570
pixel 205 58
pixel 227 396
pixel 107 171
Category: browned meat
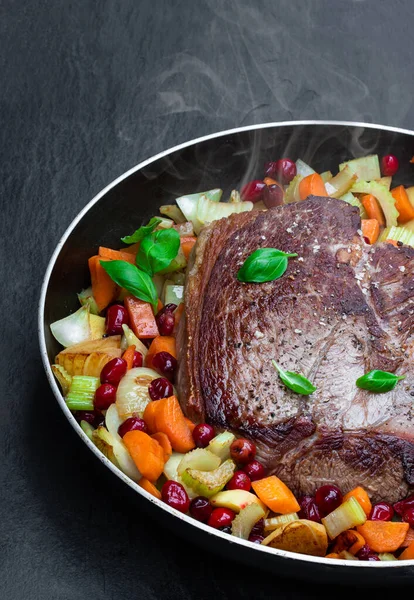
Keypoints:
pixel 341 309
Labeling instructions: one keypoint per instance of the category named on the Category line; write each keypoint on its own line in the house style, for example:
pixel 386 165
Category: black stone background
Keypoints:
pixel 89 88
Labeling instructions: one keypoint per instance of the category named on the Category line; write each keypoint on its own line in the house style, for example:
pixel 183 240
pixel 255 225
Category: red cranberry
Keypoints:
pixel 242 451
pixel 160 388
pixel 309 509
pixel 381 512
pixel 401 506
pixel 365 553
pixel 258 528
pixel 328 497
pixel 99 419
pixel 116 316
pixel 239 481
pixel 283 170
pixel 408 516
pixel 255 538
pixel 174 494
pixel 203 434
pixel 254 470
pixel 389 165
pixel 253 191
pixel 105 395
pixel 273 195
pixel 166 320
pixel 166 363
pixel 138 359
pixel 113 371
pixel 373 557
pixel 132 424
pixel 221 517
pixel 83 415
pixel 201 509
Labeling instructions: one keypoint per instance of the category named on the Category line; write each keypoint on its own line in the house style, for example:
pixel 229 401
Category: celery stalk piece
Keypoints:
pixel 383 196
pixel 348 515
pixel 274 522
pixel 201 459
pixel 220 445
pixel 173 212
pixel 345 555
pixel 244 522
pixel 63 378
pixel 82 392
pixel 385 181
pixel 209 483
pixel 409 225
pixel 386 556
pixel 292 191
pixel 303 169
pixel 354 201
pixel 173 294
pixel 326 176
pixel 72 329
pixel 341 183
pixel 87 428
pixel 398 234
pixel 366 167
pixel 86 298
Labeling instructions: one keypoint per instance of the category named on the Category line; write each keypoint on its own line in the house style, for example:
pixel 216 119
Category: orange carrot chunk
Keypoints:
pixel 190 424
pixel 164 442
pixel 409 538
pixel 169 419
pixel 383 536
pixel 356 546
pixel 187 243
pixel 312 185
pixel 403 204
pixel 276 495
pixel 146 453
pixel 116 254
pixel 132 249
pixel 162 343
pixel 408 553
pixel 142 318
pixel 128 356
pixel 361 495
pixel 149 487
pixel 373 209
pixel 370 230
pixel 332 555
pixel 104 290
pixel 149 415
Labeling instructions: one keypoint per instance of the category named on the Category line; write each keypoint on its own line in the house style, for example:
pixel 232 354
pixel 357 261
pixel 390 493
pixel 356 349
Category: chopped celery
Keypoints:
pixel 385 181
pixel 303 169
pixel 220 445
pixel 386 556
pixel 341 183
pixel 87 428
pixel 348 515
pixel 246 519
pixel 178 263
pixel 345 555
pixel 63 378
pixel 354 201
pixel 208 211
pixel 173 294
pixel 236 499
pixel 73 329
pixel 398 234
pixel 292 192
pixel 173 212
pixel 274 522
pixel 132 340
pixel 366 167
pixel 201 459
pixel 86 298
pixel 209 483
pixel 82 392
pixel 383 196
pixel 326 176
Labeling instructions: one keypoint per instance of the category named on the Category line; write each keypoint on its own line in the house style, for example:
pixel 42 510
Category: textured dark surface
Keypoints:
pixel 88 89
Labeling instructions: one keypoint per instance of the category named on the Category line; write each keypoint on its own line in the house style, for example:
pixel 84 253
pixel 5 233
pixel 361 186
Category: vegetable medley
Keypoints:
pixel 119 361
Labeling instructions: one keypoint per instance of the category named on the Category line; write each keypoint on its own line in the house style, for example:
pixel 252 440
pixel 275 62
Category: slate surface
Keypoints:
pixel 88 89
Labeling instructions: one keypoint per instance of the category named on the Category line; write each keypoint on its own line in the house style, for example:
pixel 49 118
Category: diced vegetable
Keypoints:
pixel 85 297
pixel 366 167
pixel 361 495
pixel 166 415
pixel 292 191
pixel 347 540
pixel 146 453
pixel 102 440
pixel 113 421
pixel 161 343
pixel 88 358
pixel 201 459
pixel 326 176
pixel 97 325
pixel 383 536
pixel 275 522
pixel 383 196
pixel 72 329
pixel 114 448
pixel 128 356
pixel 141 317
pixel 177 264
pixel 236 500
pixel 63 378
pixel 348 515
pixel 246 519
pixel 398 234
pixel 303 169
pixel 173 212
pixel 189 205
pixel 345 555
pixel 341 183
pixel 158 281
pixel 220 445
pixel 187 244
pixel 276 495
pixel 177 278
pixel 104 289
pixel 165 223
pixel 235 196
pixel 306 537
pixel 354 201
pixel 402 204
pixel 385 181
pixel 373 209
pixel 408 553
pixel 132 394
pixel 170 472
pixel 370 230
pixel 116 255
pixel 208 211
pixel 82 392
pixel 209 483
pixel 410 194
pixel 409 538
pixel 387 556
pixel 312 185
pixel 173 294
pixel 149 487
pixel 132 340
pixel 165 444
pixel 87 429
pixel 356 546
pixel 185 229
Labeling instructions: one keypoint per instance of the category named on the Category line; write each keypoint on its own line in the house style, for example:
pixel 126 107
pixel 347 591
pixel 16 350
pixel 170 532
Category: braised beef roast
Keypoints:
pixel 341 309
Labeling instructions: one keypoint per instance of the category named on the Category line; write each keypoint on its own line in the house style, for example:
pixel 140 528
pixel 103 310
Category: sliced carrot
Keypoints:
pixel 403 204
pixel 191 425
pixel 408 553
pixel 332 555
pixel 128 356
pixel 356 546
pixel 133 249
pixel 409 538
pixel 104 290
pixel 146 453
pixel 276 495
pixel 169 419
pixel 161 343
pixel 149 487
pixel 373 208
pixel 149 415
pixel 187 243
pixel 370 230
pixel 361 495
pixel 312 185
pixel 383 536
pixel 345 540
pixel 116 254
pixel 164 442
pixel 142 318
pixel 178 313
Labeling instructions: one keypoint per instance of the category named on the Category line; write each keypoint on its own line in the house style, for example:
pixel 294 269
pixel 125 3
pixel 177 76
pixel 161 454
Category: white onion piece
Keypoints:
pixel 132 394
pixel 72 329
pixel 170 471
pixel 113 421
pixel 115 446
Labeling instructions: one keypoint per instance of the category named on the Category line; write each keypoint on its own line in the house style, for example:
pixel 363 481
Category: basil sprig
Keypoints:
pixel 264 264
pixel 295 382
pixel 142 232
pixel 379 381
pixel 157 250
pixel 128 276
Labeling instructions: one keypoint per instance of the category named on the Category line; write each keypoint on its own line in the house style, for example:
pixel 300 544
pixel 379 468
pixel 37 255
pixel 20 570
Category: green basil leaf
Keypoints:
pixel 295 382
pixel 264 264
pixel 158 250
pixel 379 381
pixel 128 276
pixel 142 232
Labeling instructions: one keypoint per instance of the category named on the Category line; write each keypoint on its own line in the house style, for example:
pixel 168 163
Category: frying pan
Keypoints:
pixel 227 160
